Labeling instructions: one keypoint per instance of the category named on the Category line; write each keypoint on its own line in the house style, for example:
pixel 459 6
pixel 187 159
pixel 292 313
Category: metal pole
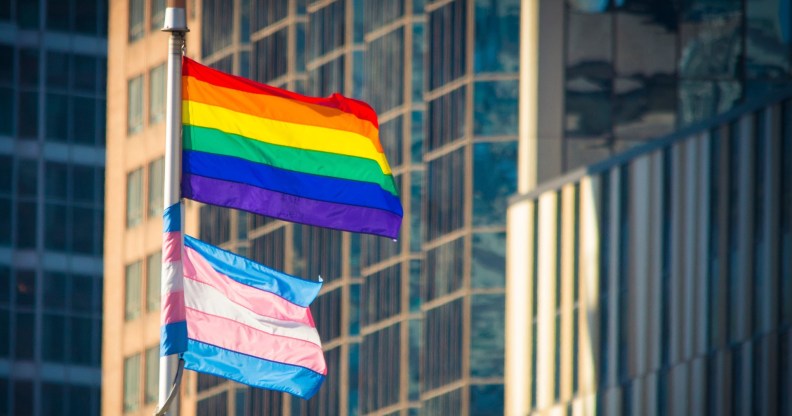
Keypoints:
pixel 176 24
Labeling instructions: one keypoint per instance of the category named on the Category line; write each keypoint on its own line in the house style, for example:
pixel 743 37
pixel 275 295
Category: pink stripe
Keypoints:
pixel 171 245
pixel 172 308
pixel 234 336
pixel 259 301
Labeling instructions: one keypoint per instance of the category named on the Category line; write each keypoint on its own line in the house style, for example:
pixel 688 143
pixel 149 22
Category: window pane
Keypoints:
pixel 86 19
pixel 495 108
pixel 83 187
pixel 134 197
pixel 26 225
pixel 58 71
pixel 81 341
pixel 136 12
pixel 58 17
pixel 157 14
pixel 23 393
pixel 157 83
pixel 55 294
pixel 23 336
pixel 494 180
pixel 497 43
pixel 132 292
pixel 155 187
pixel 29 67
pixel 84 73
pixel 27 115
pixel 84 230
pixel 57 107
pixel 135 105
pixel 82 293
pixel 6 111
pixel 153 275
pixel 131 383
pixel 7 70
pixel 56 223
pixel 487 336
pixel 53 335
pixel 84 110
pixel 152 375
pixel 488 263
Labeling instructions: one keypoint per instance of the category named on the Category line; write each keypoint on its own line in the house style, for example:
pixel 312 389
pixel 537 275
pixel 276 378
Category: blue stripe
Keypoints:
pixel 305 185
pixel 256 372
pixel 171 218
pixel 295 290
pixel 173 338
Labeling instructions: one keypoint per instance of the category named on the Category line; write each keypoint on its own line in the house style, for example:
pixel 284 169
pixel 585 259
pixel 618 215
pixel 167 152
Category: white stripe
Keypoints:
pixel 204 298
pixel 172 279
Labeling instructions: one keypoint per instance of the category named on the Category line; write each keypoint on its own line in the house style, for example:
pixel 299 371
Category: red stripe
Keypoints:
pixel 234 336
pixel 357 108
pixel 256 300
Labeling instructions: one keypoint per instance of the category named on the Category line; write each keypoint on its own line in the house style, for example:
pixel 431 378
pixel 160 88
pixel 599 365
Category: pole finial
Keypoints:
pixel 175 17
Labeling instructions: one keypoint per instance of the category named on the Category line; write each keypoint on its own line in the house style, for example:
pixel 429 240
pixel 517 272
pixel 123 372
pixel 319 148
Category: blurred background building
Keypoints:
pixel 657 281
pixel 52 158
pixel 396 318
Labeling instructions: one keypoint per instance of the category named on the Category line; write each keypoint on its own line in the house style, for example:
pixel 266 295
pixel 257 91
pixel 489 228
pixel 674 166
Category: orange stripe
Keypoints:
pixel 277 108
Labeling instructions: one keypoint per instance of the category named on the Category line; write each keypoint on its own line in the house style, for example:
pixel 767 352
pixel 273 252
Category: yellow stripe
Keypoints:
pixel 282 133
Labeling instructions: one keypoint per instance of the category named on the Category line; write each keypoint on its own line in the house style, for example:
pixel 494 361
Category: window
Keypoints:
pixel 134 197
pixel 445 194
pixel 136 13
pixel 151 389
pixel 155 187
pixel 135 105
pixel 157 14
pixel 153 276
pixel 132 291
pixel 157 84
pixel 131 383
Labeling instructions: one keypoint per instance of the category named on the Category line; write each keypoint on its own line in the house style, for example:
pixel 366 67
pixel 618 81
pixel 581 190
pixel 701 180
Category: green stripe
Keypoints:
pixel 209 140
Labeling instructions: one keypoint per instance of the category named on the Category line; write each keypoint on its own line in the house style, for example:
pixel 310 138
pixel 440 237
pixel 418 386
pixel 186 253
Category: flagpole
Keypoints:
pixel 176 24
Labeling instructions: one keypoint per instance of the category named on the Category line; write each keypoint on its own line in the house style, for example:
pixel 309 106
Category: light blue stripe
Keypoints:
pixel 253 371
pixel 173 338
pixel 171 218
pixel 295 290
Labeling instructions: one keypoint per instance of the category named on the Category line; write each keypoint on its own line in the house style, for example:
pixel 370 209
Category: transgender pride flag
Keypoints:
pixel 234 318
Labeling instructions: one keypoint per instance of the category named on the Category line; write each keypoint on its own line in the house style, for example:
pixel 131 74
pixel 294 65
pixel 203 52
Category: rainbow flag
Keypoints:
pixel 310 160
pixel 234 318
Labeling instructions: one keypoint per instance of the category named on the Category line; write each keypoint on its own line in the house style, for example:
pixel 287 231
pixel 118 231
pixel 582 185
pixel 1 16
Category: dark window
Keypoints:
pixel 382 295
pixel 275 48
pixel 381 386
pixel 446 118
pixel 443 271
pixel 385 66
pixel 487 335
pixel 494 181
pixel 441 358
pixel 447 48
pixel 445 194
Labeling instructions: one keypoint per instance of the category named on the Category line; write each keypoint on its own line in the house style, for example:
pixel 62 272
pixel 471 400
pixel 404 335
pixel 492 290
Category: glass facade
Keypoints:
pixel 447 106
pixel 705 58
pixel 52 152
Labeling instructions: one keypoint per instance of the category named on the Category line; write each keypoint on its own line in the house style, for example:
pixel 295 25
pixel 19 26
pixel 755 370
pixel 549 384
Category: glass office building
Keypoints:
pixel 52 157
pixel 396 318
pixel 657 281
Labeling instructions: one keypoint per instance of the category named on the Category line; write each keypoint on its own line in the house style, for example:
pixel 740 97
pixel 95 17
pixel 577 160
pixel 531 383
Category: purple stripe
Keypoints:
pixel 291 208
